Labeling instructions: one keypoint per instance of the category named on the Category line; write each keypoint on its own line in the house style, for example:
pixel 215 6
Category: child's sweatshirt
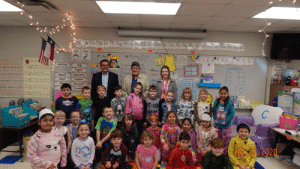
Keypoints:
pixel 86 109
pixel 119 106
pixel 66 105
pixel 83 152
pixel 185 109
pixel 135 106
pixel 169 135
pixel 181 159
pixel 210 161
pixel 47 148
pixel 151 106
pixel 223 116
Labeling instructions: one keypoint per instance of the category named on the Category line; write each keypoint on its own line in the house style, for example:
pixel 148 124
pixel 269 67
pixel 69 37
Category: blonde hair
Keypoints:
pixel 187 90
pixel 147 134
pixel 202 90
pixel 60 113
pixel 101 86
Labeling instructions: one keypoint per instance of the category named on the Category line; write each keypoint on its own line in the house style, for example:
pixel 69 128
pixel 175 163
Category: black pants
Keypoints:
pixel 139 125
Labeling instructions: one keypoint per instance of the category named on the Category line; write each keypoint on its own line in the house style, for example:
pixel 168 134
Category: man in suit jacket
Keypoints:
pixel 108 79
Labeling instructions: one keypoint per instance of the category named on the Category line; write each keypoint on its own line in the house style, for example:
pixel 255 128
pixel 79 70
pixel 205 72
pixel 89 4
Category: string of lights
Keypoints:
pixel 269 24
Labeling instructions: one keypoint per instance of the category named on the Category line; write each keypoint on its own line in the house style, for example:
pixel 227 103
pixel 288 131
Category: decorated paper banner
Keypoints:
pixel 62 75
pixel 79 74
pixel 62 79
pixel 78 83
pixel 62 64
pixel 147 44
pixel 75 55
pixel 78 70
pixel 181 60
pixel 11 77
pixel 77 87
pixel 79 79
pixel 223 60
pixel 79 65
pixel 59 83
pixel 86 55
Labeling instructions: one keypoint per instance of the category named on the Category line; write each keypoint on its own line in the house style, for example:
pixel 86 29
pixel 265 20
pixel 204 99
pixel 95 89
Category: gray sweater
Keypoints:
pixel 118 106
pixel 172 88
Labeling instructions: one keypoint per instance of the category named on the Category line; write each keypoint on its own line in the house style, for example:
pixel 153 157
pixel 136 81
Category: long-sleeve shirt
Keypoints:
pixel 151 106
pixel 86 109
pixel 66 105
pixel 119 106
pixel 185 109
pixel 242 152
pixel 83 152
pixel 204 142
pixel 163 114
pixel 112 155
pixel 105 127
pixel 193 143
pixel 130 138
pixel 47 148
pixel 135 106
pixel 181 159
pixel 169 135
pixel 98 105
pixel 223 116
pixel 210 161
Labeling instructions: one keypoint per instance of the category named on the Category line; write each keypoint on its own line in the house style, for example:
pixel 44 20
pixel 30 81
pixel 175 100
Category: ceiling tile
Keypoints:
pixel 243 29
pixel 286 24
pixel 123 18
pixel 224 21
pixel 19 17
pixel 185 26
pixel 256 22
pixel 252 2
pixel 221 2
pixel 50 16
pixel 5 18
pixel 98 24
pixel 192 9
pixel 13 23
pixel 157 19
pixel 126 25
pixel 240 11
pixel 190 20
pixel 156 26
pixel 90 17
pixel 214 27
pixel 75 6
pixel 277 30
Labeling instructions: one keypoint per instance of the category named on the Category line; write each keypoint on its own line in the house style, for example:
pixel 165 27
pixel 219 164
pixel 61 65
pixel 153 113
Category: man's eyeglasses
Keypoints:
pixel 104 65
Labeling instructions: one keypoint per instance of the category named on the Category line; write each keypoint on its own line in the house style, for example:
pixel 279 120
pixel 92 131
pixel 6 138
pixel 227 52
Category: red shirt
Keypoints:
pixel 181 159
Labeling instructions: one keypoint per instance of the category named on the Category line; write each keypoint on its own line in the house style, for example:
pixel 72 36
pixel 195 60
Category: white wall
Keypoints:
pixel 26 42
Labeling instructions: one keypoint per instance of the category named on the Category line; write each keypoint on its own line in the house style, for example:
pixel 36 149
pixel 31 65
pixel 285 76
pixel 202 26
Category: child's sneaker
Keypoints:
pixel 163 164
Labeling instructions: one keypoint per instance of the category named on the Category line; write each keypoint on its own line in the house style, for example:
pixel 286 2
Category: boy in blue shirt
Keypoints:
pixel 66 103
pixel 85 107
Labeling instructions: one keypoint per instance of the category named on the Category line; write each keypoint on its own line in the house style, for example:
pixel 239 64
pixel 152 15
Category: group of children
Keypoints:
pixel 145 130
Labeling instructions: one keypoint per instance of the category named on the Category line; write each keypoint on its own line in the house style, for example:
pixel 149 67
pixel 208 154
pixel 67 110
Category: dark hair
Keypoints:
pixel 184 136
pixel 136 84
pixel 165 67
pixel 171 112
pixel 130 117
pixel 81 124
pixel 147 134
pixel 217 143
pixel 66 85
pixel 117 88
pixel 243 126
pixel 104 60
pixel 112 60
pixel 85 88
pixel 218 100
pixel 187 119
pixel 152 87
pixel 116 133
pixel 106 107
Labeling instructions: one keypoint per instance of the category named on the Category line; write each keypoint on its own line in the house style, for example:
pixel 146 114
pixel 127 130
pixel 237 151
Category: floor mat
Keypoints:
pixel 258 166
pixel 10 159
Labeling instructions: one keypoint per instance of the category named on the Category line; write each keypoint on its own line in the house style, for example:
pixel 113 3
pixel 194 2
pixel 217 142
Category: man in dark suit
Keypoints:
pixel 108 79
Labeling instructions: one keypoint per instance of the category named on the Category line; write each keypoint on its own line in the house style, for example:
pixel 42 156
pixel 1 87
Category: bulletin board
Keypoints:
pixel 249 81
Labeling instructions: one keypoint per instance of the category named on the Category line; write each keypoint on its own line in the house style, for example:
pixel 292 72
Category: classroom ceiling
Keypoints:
pixel 212 15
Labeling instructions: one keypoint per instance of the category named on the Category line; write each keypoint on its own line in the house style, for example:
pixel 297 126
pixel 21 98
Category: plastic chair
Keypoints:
pixel 12 102
pixel 20 102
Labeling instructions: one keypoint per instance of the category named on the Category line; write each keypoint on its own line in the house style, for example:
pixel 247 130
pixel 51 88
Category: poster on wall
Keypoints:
pixel 36 79
pixel 208 67
pixel 75 55
pixel 114 61
pixel 11 77
pixel 191 71
pixel 86 55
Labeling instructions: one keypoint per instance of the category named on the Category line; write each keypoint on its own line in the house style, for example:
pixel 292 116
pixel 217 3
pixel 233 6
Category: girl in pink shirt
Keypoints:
pixel 154 129
pixel 146 153
pixel 47 147
pixel 135 106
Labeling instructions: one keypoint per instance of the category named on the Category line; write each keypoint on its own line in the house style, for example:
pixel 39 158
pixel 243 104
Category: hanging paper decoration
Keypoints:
pixel 170 62
pixel 160 61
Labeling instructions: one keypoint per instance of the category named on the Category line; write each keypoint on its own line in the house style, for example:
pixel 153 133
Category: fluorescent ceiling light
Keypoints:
pixel 290 13
pixel 122 7
pixel 7 7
